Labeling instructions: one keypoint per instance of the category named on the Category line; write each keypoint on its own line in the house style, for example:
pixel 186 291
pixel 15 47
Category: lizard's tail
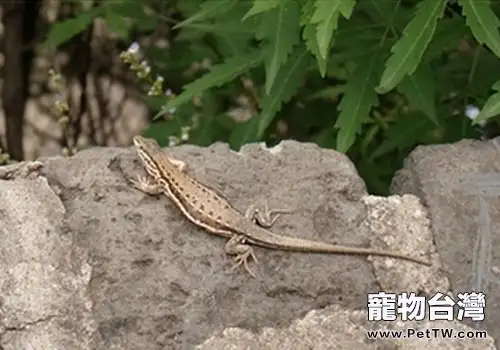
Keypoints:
pixel 275 241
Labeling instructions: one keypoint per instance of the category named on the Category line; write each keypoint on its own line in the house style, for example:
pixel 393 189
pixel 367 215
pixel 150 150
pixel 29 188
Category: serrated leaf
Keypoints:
pixel 405 132
pixel 358 99
pixel 309 36
pixel 280 29
pixel 420 90
pixel 307 12
pixel 260 6
pixel 220 74
pixel 63 31
pixel 326 17
pixel 491 107
pixel 483 23
pixel 209 9
pixel 409 49
pixel 289 78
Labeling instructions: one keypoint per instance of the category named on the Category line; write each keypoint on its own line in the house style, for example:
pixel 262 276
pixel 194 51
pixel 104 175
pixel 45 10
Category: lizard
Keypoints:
pixel 208 209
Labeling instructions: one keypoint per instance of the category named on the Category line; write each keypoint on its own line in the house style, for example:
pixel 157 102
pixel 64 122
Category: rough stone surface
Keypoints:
pixel 44 276
pixel 460 185
pixel 338 328
pixel 117 269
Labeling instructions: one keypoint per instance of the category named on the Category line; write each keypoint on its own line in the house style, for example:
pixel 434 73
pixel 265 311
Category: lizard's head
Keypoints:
pixel 144 143
pixel 146 146
pixel 147 150
pixel 155 160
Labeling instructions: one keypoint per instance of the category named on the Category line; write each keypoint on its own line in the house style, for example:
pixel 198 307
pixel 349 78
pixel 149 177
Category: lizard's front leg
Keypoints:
pixel 178 163
pixel 236 246
pixel 265 219
pixel 147 186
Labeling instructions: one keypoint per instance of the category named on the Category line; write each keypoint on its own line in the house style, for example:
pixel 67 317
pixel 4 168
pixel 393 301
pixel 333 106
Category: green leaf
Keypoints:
pixel 280 28
pixel 405 132
pixel 290 78
pixel 65 30
pixel 326 17
pixel 116 23
pixel 420 90
pixel 409 49
pixel 260 6
pixel 357 101
pixel 209 9
pixel 483 22
pixel 491 107
pixel 309 36
pixel 219 75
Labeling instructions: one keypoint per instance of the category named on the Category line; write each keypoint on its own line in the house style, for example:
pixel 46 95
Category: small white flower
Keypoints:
pixel 168 92
pixel 472 112
pixel 146 66
pixel 185 133
pixel 134 48
pixel 173 141
pixel 172 110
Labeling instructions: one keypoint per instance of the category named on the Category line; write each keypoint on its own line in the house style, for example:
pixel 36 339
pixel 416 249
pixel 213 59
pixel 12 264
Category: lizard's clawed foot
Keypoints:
pixel 236 246
pixel 266 218
pixel 243 259
pixel 144 185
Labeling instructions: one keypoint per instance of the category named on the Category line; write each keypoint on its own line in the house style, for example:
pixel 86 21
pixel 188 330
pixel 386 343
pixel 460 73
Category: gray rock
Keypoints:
pixel 460 185
pixel 112 268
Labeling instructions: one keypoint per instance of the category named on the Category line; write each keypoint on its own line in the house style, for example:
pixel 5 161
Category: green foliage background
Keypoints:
pixel 369 78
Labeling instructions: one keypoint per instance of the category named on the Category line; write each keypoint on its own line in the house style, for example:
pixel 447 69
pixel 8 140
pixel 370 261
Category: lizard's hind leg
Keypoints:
pixel 236 246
